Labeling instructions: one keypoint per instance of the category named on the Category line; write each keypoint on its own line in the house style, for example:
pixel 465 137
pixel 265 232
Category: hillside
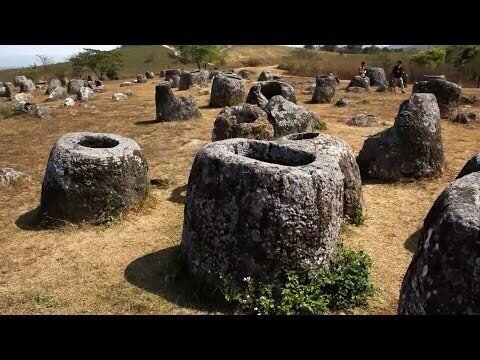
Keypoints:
pixel 141 58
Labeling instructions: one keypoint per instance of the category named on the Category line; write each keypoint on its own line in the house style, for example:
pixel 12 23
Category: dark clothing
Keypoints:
pixel 397 71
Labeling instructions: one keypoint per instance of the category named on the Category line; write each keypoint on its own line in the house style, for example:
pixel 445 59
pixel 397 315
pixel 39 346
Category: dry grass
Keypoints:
pixel 303 62
pixel 254 55
pixel 124 268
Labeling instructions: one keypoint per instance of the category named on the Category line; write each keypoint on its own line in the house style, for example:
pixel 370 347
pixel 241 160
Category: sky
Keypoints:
pixel 24 55
pixel 13 56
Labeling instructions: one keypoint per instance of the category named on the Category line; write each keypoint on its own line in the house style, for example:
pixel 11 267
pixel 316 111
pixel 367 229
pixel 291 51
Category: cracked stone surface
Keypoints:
pixel 91 176
pixel 257 208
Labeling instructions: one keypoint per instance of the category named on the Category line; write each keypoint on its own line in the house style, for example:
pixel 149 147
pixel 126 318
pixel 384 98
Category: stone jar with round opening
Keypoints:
pixel 92 176
pixel 257 209
pixel 328 146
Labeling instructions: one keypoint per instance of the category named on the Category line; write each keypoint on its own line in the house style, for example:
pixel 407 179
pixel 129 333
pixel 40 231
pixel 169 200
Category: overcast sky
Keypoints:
pixel 23 55
pixel 12 56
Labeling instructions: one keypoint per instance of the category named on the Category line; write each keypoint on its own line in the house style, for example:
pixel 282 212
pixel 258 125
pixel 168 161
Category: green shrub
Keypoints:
pixel 344 285
pixel 7 112
pixel 113 74
pixel 347 283
pixel 433 57
pixel 319 125
pixel 358 219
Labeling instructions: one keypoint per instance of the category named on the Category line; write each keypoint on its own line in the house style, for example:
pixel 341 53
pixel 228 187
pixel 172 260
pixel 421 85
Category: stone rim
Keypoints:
pixel 248 152
pixel 72 143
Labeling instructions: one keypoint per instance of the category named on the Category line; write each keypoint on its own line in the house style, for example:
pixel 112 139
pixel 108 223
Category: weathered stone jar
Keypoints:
pixel 168 107
pixel 258 208
pixel 227 90
pixel 261 92
pixel 443 277
pixel 91 176
pixel 242 121
pixel 339 152
pixel 446 93
pixel 410 149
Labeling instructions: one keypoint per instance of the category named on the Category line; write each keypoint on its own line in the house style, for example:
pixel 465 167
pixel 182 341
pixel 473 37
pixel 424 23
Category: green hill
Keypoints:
pixel 140 58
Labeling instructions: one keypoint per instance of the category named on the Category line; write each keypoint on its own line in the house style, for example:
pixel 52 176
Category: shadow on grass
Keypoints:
pixel 372 181
pixel 177 195
pixel 30 221
pixel 411 243
pixel 163 273
pixel 146 122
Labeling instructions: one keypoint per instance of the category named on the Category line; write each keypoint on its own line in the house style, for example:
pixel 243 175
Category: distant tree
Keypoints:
pixel 310 47
pixel 331 48
pixel 352 49
pixel 466 56
pixel 433 57
pixel 199 54
pixel 98 61
pixel 30 71
pixel 371 50
pixel 44 60
pixel 467 62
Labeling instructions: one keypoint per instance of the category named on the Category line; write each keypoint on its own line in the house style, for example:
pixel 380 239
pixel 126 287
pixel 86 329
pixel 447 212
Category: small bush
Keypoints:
pixel 344 285
pixel 358 219
pixel 347 283
pixel 320 126
pixel 252 62
pixel 43 299
pixel 111 221
pixel 113 74
pixel 7 112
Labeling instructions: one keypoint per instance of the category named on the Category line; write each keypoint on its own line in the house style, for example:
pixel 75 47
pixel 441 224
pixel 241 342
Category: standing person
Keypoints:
pixel 397 73
pixel 362 71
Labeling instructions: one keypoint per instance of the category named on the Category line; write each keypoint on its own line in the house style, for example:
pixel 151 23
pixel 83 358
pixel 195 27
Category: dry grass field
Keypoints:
pixel 124 268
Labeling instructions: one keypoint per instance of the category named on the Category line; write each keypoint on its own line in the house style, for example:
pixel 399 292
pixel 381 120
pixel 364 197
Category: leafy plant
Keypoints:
pixel 345 284
pixel 44 299
pixel 7 112
pixel 320 125
pixel 30 71
pixel 111 221
pixel 358 219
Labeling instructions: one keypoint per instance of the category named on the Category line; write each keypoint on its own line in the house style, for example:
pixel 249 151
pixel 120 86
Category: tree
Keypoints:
pixel 310 47
pixel 331 48
pixel 351 49
pixel 466 56
pixel 468 63
pixel 433 57
pixel 98 61
pixel 371 50
pixel 44 60
pixel 199 54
